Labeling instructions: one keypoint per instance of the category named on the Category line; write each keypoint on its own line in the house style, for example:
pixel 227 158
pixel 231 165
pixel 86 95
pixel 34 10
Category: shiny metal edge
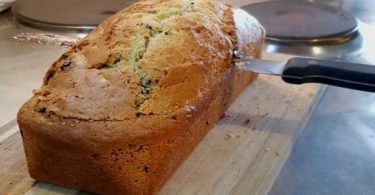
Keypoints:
pixel 315 41
pixel 48 26
pixel 261 66
pixel 46 39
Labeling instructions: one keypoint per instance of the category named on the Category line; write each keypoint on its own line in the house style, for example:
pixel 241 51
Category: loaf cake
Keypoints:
pixel 120 110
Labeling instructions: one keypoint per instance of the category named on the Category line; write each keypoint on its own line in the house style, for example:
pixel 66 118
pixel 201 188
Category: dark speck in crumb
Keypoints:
pixel 146 168
pixel 95 156
pixel 148 26
pixel 140 148
pixel 222 116
pixel 42 110
pixel 118 59
pixel 247 121
pixel 131 146
pixel 65 65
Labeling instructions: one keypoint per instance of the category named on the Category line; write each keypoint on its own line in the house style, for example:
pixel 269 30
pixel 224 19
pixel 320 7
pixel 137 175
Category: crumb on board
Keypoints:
pixel 229 136
pixel 277 154
pixel 267 148
pixel 254 128
pixel 238 136
pixel 247 121
pixel 311 94
pixel 265 114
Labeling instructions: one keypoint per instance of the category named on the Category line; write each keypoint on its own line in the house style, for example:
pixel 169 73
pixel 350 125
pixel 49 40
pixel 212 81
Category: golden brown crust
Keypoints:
pixel 119 111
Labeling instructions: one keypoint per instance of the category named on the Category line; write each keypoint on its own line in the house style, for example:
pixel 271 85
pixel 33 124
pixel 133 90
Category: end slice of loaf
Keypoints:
pixel 120 111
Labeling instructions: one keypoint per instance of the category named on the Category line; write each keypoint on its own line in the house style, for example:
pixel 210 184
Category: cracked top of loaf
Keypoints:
pixel 157 59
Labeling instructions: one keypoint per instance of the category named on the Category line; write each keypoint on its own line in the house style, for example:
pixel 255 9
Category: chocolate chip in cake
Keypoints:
pixel 42 110
pixel 146 169
pixel 148 26
pixel 66 64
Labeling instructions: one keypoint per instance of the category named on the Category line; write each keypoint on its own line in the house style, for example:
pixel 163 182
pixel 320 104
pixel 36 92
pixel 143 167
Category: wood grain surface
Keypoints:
pixel 243 154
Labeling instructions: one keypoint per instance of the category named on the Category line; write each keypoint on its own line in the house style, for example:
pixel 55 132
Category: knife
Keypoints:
pixel 299 70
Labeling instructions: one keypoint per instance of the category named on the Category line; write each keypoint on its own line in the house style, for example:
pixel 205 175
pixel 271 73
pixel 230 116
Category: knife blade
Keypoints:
pixel 261 66
pixel 308 70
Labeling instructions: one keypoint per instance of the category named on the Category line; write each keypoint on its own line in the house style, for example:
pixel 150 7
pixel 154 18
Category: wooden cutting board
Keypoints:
pixel 243 154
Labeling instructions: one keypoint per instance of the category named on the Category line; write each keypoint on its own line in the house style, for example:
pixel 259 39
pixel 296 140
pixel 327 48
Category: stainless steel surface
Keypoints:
pixel 363 10
pixel 298 22
pixel 336 152
pixel 21 66
pixel 66 14
pixel 350 48
pixel 46 39
pixel 261 66
pixel 323 40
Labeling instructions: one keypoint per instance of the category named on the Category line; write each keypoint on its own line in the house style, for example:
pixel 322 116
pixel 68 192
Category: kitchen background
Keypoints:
pixel 334 155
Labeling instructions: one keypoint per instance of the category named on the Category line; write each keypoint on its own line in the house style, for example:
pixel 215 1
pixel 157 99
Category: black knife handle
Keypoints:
pixel 342 74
